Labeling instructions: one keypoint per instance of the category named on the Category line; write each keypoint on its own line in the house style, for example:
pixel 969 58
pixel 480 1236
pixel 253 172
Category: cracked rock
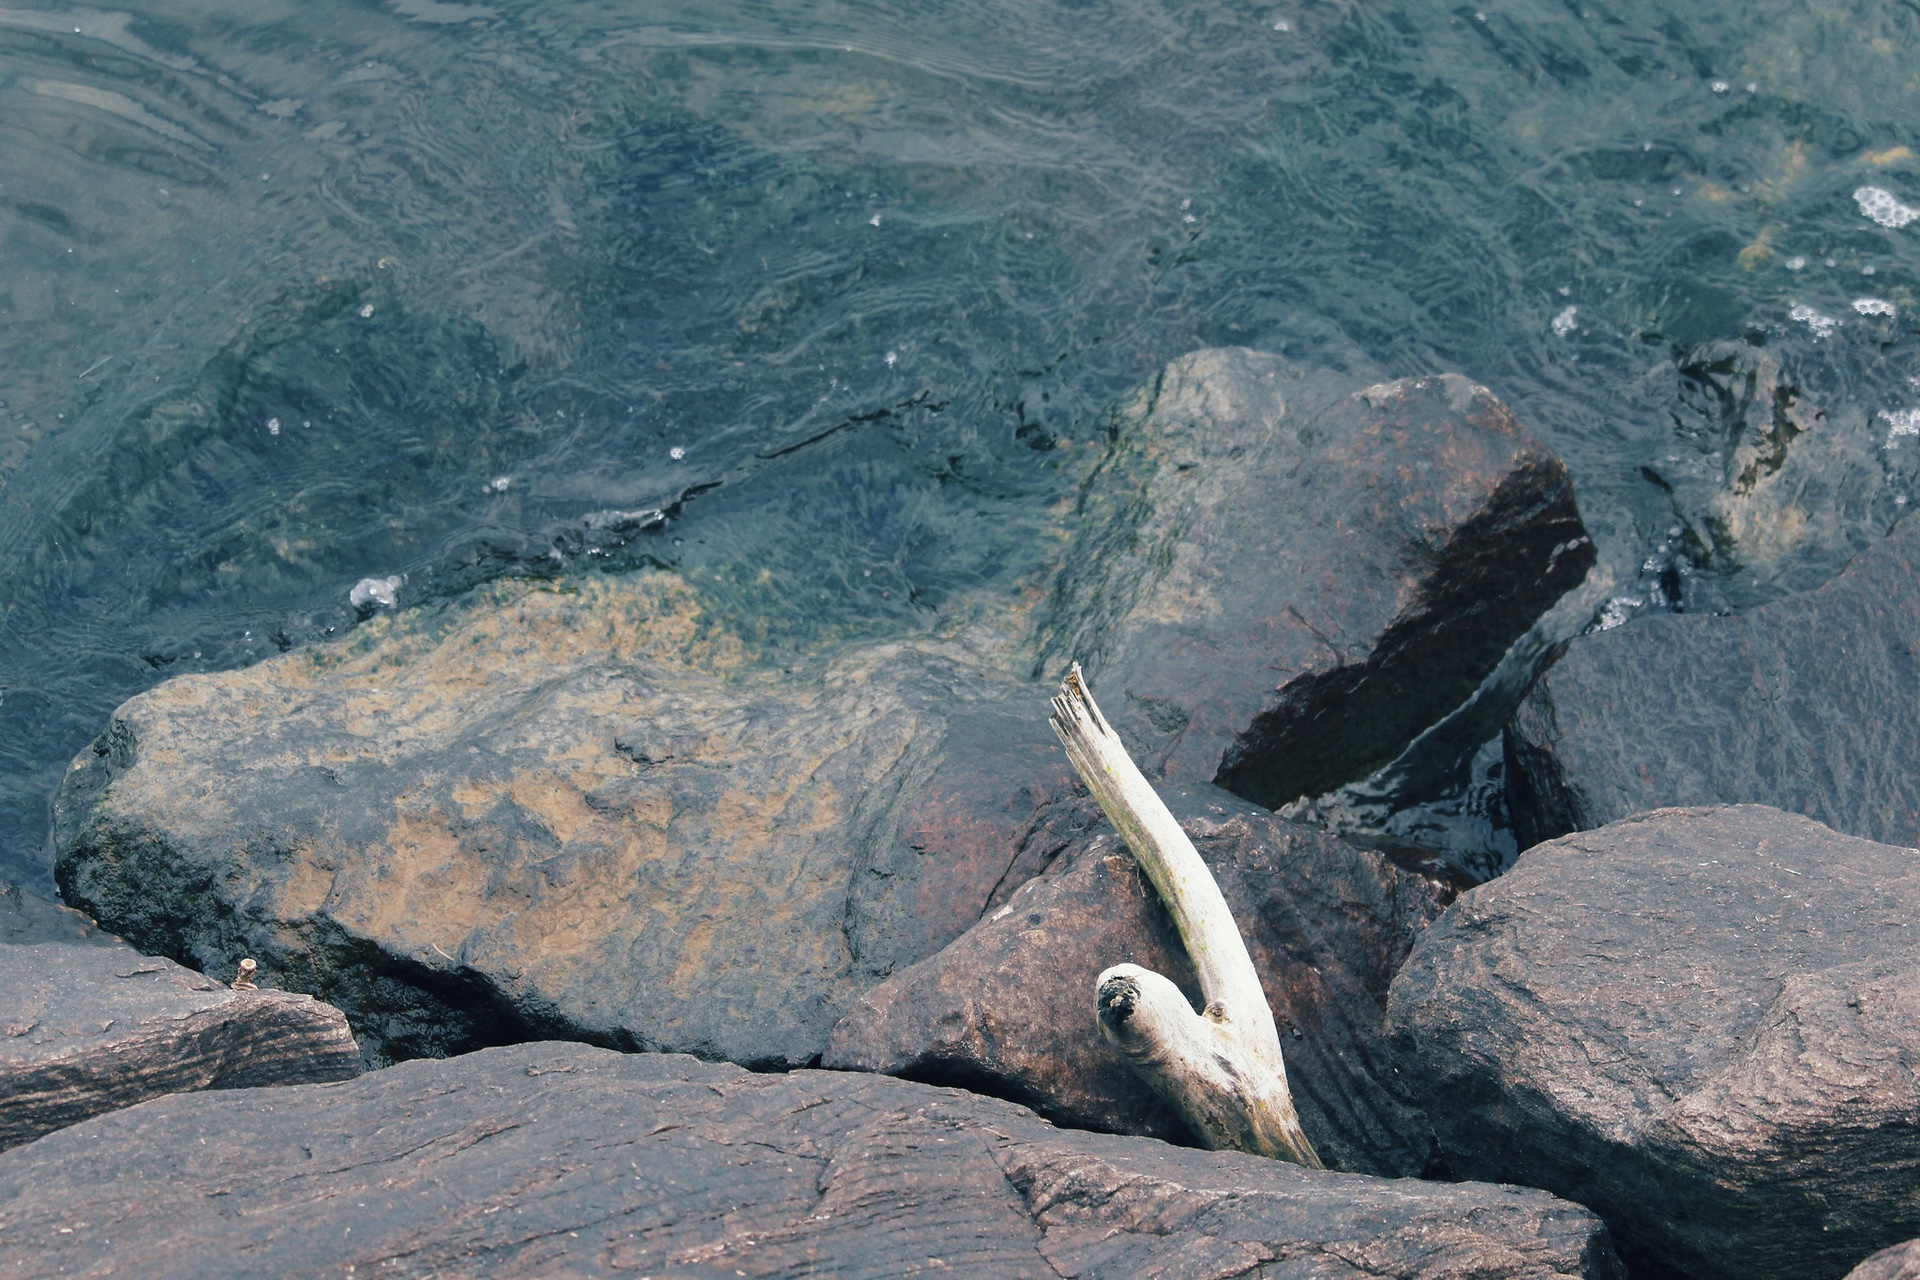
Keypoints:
pixel 560 1159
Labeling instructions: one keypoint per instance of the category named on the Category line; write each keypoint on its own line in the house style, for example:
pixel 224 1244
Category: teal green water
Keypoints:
pixel 297 295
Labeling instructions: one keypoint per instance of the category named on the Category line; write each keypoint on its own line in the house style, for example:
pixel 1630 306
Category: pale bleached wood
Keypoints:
pixel 1222 1070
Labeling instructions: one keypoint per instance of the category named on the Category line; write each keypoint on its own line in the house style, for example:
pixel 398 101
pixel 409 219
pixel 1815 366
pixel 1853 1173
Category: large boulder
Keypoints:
pixel 564 810
pixel 1277 582
pixel 1805 704
pixel 559 1159
pixel 1703 1023
pixel 1901 1262
pixel 88 1025
pixel 1008 1009
pixel 588 809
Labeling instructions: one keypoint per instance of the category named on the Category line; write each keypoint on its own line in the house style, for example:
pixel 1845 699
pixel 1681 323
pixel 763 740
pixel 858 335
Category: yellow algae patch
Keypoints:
pixel 1759 251
pixel 1892 155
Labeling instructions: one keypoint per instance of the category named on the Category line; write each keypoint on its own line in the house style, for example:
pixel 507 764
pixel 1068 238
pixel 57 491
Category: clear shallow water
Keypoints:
pixel 300 294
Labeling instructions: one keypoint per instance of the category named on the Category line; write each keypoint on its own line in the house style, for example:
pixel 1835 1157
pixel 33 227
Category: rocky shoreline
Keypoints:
pixel 584 812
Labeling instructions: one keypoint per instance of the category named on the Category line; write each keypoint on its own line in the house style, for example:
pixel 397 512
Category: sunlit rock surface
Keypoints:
pixel 1704 1024
pixel 558 1159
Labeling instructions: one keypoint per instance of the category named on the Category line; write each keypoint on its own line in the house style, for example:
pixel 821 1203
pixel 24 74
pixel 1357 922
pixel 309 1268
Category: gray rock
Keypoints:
pixel 1278 583
pixel 559 1159
pixel 1702 1023
pixel 564 810
pixel 1805 704
pixel 1901 1262
pixel 88 1025
pixel 1008 1008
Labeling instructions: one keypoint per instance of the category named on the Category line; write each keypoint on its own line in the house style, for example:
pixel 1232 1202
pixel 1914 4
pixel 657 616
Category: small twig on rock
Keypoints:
pixel 1222 1070
pixel 243 981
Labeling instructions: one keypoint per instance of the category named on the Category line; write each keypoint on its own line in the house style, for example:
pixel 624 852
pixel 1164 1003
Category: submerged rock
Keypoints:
pixel 547 1159
pixel 1008 1009
pixel 1702 1023
pixel 88 1025
pixel 1277 583
pixel 1806 704
pixel 556 810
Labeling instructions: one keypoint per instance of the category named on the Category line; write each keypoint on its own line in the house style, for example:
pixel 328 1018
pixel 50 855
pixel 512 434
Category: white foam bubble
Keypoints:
pixel 1883 208
pixel 1822 325
pixel 676 453
pixel 1900 422
pixel 273 426
pixel 1566 322
pixel 376 591
pixel 499 483
pixel 1875 307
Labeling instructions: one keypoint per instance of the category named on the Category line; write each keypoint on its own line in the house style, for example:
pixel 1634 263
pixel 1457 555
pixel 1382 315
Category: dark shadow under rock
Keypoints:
pixel 559 1159
pixel 1702 1023
pixel 1009 1008
pixel 1806 704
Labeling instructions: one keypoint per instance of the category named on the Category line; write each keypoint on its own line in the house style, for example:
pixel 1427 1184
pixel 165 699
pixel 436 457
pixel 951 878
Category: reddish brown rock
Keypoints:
pixel 562 1160
pixel 1008 1009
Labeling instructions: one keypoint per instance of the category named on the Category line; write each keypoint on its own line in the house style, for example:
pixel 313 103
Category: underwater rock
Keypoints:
pixel 565 810
pixel 1704 1024
pixel 1806 704
pixel 545 1159
pixel 91 1025
pixel 1008 1009
pixel 1278 581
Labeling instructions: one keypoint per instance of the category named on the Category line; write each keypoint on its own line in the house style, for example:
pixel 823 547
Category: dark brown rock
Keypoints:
pixel 1702 1023
pixel 1278 583
pixel 1806 704
pixel 1009 1009
pixel 568 809
pixel 1901 1262
pixel 88 1025
pixel 558 1159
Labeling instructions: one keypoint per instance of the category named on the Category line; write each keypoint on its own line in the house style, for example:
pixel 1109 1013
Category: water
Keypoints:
pixel 817 301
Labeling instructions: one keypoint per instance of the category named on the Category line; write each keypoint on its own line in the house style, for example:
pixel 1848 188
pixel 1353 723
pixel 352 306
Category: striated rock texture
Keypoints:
pixel 564 810
pixel 1009 1010
pixel 88 1025
pixel 1702 1023
pixel 1276 585
pixel 558 1159
pixel 1805 704
pixel 1901 1262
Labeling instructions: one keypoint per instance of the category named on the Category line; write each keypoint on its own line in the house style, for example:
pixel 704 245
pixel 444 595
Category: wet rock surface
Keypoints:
pixel 1805 704
pixel 1699 1022
pixel 546 1159
pixel 88 1025
pixel 564 811
pixel 1008 1009
pixel 1901 1262
pixel 1277 582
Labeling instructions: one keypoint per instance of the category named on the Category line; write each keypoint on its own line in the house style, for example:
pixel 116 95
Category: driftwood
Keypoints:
pixel 1222 1069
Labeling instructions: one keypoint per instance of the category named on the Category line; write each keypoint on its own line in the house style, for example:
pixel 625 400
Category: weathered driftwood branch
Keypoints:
pixel 1221 1070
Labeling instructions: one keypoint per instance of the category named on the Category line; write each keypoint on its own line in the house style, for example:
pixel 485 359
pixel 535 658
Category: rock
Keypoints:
pixel 564 809
pixel 1277 584
pixel 548 1159
pixel 1702 1023
pixel 1901 1262
pixel 1804 704
pixel 1008 1009
pixel 91 1025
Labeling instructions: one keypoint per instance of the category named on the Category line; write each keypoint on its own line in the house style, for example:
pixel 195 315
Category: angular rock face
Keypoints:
pixel 547 1159
pixel 1277 584
pixel 88 1025
pixel 563 810
pixel 1008 1009
pixel 1805 704
pixel 1702 1023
